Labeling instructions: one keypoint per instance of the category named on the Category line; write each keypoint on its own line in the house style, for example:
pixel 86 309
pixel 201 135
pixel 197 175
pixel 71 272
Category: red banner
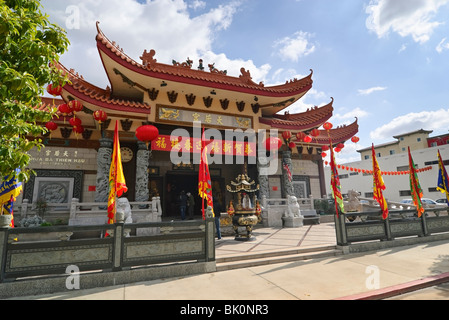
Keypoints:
pixel 193 145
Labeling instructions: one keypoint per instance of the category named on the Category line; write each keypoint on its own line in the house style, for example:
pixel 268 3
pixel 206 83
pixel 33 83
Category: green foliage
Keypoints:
pixel 29 46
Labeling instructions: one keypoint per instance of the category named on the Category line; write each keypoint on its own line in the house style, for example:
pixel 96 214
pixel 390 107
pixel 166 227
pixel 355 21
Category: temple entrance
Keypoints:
pixel 176 183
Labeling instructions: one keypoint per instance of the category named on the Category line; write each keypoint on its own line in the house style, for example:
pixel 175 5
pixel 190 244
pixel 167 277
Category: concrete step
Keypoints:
pixel 271 257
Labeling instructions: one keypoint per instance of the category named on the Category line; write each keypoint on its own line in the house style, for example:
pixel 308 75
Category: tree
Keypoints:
pixel 29 47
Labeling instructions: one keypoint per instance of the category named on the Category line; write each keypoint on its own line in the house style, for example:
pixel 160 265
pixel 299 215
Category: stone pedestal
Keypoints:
pixel 293 222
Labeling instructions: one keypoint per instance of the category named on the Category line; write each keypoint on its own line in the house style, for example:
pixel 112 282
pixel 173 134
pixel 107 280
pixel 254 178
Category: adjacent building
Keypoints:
pixel 393 160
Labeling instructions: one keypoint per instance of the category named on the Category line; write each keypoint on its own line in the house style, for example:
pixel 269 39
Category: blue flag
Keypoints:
pixel 10 187
pixel 443 180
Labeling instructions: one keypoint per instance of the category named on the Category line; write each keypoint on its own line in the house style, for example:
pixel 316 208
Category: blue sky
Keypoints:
pixel 385 62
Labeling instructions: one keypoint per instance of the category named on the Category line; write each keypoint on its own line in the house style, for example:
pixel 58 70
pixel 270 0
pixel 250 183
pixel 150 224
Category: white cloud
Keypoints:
pixel 443 45
pixel 165 26
pixel 349 116
pixel 406 17
pixel 295 47
pixel 365 92
pixel 438 121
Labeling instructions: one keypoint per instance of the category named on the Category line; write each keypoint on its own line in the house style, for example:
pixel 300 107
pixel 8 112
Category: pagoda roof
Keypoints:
pixel 88 93
pixel 310 119
pixel 339 134
pixel 131 78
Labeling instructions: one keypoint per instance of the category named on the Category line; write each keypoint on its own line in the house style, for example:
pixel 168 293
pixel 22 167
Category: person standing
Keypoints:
pixel 217 213
pixel 183 204
pixel 190 205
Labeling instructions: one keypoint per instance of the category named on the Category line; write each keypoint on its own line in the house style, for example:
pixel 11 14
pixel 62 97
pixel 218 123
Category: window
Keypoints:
pixel 392 152
pixel 378 155
pixel 366 157
pixel 369 194
pixel 434 144
pixel 403 149
pixel 418 139
pixel 402 168
pixel 404 193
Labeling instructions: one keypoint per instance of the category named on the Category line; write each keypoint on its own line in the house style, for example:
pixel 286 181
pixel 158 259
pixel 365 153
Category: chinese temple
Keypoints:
pixel 174 96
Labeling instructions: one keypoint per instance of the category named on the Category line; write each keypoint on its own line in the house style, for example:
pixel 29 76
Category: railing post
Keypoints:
pixel 3 245
pixel 118 246
pixel 24 210
pixel 340 230
pixel 387 227
pixel 424 224
pixel 73 207
pixel 210 240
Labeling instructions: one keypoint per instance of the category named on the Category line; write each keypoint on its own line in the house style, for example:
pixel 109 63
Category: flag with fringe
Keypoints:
pixel 415 187
pixel 204 179
pixel 335 184
pixel 9 190
pixel 117 183
pixel 443 179
pixel 379 186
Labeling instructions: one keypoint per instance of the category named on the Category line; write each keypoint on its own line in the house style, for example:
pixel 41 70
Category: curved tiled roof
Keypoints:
pixel 339 134
pixel 86 91
pixel 312 118
pixel 185 74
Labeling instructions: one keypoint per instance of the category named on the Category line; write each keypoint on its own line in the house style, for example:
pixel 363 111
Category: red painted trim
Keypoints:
pixel 399 289
pixel 203 83
pixel 104 105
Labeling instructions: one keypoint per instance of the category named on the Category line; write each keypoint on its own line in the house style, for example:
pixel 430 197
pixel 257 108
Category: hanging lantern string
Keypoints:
pixel 388 173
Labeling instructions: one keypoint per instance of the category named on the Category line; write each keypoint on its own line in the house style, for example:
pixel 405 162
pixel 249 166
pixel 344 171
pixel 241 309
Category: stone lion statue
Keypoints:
pixel 293 210
pixel 124 209
pixel 353 203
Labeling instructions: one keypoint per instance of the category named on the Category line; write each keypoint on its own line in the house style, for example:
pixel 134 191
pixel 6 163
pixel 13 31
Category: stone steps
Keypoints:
pixel 264 258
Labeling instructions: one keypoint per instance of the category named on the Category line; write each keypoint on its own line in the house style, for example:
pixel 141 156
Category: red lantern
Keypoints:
pixel 52 126
pixel 147 133
pixel 273 144
pixel 75 122
pixel 300 136
pixel 75 105
pixel 78 129
pixel 315 133
pixel 337 149
pixel 54 90
pixel 286 135
pixel 340 146
pixel 308 139
pixel 323 154
pixel 100 116
pixel 327 126
pixel 355 139
pixel 64 109
pixel 292 145
pixel 325 148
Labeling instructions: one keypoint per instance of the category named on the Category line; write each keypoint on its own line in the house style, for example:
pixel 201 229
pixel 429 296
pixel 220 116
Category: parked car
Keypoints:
pixel 442 200
pixel 429 203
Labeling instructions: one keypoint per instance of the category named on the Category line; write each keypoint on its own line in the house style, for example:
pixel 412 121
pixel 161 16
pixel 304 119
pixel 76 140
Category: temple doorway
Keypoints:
pixel 176 183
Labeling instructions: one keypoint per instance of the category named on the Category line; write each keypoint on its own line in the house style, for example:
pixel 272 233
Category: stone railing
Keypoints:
pixel 87 213
pixel 361 231
pixel 38 266
pixel 273 209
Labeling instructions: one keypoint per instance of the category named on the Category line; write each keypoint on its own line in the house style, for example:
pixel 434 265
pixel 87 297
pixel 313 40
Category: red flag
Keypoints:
pixel 117 184
pixel 415 187
pixel 335 184
pixel 379 186
pixel 204 179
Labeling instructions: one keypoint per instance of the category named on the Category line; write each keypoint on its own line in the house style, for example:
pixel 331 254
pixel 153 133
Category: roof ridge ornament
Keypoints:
pixel 148 60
